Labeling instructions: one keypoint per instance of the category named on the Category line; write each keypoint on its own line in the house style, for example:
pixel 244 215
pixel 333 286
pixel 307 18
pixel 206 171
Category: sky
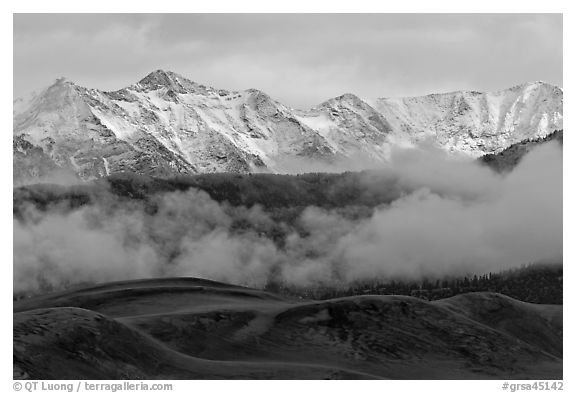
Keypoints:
pixel 300 60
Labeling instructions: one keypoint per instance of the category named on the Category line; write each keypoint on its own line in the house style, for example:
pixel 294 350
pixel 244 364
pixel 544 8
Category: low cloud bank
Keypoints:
pixel 455 217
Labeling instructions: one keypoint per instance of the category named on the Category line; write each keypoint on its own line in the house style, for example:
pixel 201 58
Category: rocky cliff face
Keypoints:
pixel 166 124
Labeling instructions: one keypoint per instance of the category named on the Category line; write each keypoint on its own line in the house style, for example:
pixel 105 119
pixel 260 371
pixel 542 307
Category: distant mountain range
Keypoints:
pixel 166 124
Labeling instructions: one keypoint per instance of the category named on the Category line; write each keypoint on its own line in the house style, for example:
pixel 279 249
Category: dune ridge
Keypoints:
pixel 186 328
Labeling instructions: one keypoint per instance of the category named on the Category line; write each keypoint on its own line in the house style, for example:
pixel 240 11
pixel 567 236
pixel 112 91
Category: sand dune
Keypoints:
pixel 539 325
pixel 186 328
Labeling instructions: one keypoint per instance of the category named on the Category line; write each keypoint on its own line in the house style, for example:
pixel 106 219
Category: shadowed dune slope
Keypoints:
pixel 191 328
pixel 537 324
pixel 73 343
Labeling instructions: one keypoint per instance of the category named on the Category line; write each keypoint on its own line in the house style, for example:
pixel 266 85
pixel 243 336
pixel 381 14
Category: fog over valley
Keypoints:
pixel 425 214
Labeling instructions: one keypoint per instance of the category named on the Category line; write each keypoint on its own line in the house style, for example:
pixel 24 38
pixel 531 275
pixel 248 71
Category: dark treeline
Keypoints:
pixel 535 283
pixel 270 191
pixel 508 158
pixel 352 195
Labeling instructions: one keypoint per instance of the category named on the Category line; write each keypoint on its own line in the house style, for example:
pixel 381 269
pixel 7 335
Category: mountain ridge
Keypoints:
pixel 166 124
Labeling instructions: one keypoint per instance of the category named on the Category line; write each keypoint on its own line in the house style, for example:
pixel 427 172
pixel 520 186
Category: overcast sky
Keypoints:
pixel 300 60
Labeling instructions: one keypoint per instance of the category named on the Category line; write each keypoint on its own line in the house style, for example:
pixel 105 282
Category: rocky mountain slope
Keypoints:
pixel 166 124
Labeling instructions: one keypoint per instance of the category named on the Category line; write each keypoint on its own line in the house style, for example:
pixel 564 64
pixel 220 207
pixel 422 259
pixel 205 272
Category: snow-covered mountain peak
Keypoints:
pixel 160 78
pixel 173 83
pixel 62 98
pixel 530 84
pixel 167 124
pixel 528 87
pixel 63 81
pixel 344 99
